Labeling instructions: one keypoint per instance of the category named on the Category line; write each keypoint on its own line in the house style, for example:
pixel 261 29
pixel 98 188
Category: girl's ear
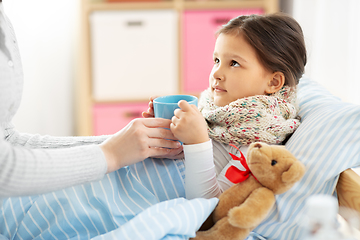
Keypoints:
pixel 276 83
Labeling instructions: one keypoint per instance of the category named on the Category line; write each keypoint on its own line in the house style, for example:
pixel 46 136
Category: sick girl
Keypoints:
pixel 258 61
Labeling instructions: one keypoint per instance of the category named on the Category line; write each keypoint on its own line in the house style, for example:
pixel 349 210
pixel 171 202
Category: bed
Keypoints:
pixel 147 200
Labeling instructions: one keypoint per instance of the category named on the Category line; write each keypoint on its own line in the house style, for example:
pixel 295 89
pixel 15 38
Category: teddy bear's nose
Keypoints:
pixel 258 145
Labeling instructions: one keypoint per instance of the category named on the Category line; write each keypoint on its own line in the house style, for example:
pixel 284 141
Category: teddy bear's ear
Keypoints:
pixel 294 173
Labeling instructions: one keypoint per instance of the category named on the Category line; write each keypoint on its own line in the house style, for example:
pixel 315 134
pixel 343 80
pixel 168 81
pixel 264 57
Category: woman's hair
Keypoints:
pixel 278 40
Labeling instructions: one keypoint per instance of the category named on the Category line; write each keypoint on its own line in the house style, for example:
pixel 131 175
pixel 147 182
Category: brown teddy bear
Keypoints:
pixel 273 170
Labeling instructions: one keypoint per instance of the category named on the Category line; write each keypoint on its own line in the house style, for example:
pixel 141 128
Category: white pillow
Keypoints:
pixel 327 142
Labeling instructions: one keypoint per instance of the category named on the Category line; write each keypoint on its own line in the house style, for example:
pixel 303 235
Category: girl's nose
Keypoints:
pixel 217 73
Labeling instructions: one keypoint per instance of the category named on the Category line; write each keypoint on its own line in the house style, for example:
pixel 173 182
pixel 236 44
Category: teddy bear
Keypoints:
pixel 272 170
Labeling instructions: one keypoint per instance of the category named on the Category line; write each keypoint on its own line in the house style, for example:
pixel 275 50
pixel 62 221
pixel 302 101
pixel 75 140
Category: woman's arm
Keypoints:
pixel 49 142
pixel 26 171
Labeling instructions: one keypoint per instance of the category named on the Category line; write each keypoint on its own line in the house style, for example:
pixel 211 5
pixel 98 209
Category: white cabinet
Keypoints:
pixel 134 54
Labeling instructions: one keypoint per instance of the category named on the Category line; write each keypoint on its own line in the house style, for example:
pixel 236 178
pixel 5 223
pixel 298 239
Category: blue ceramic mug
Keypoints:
pixel 165 106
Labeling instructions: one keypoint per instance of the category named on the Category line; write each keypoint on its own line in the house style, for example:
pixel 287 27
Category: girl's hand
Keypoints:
pixel 188 125
pixel 150 111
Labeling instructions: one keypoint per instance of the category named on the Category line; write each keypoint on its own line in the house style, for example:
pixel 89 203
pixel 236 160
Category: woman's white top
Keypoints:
pixel 33 164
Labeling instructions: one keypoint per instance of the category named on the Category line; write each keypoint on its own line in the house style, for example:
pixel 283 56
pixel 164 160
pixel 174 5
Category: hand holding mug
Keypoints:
pixel 165 106
pixel 188 125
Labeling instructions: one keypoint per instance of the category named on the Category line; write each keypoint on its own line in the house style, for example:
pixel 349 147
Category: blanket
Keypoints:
pixel 143 201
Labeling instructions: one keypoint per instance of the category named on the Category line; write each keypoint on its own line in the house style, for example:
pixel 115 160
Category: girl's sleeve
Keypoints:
pixel 34 164
pixel 200 174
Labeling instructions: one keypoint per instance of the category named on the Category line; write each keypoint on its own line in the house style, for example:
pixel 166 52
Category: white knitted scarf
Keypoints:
pixel 260 118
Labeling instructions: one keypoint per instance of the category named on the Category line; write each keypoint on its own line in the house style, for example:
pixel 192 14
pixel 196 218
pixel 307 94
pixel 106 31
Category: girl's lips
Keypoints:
pixel 218 89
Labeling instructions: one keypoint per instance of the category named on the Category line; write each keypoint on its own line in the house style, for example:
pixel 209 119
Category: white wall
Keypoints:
pixel 47 35
pixel 332 34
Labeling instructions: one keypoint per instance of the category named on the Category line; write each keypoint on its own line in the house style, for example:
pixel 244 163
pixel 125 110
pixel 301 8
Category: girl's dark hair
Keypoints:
pixel 278 40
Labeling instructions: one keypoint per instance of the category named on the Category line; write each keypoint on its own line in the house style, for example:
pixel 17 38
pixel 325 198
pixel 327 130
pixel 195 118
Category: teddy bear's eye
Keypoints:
pixel 273 162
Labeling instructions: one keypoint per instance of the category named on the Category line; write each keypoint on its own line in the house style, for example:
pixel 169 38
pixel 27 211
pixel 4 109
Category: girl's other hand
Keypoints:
pixel 188 125
pixel 150 111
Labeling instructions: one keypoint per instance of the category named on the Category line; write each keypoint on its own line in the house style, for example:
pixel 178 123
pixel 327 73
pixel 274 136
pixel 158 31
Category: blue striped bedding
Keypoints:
pixel 108 208
pixel 147 200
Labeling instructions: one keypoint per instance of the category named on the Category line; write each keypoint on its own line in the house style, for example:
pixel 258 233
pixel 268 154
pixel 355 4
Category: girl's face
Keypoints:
pixel 237 72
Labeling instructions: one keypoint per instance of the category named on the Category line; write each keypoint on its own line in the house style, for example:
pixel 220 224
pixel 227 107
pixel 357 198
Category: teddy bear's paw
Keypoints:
pixel 223 230
pixel 238 218
pixel 202 235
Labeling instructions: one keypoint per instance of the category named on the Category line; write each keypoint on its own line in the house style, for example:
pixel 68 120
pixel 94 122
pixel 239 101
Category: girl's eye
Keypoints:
pixel 234 63
pixel 216 60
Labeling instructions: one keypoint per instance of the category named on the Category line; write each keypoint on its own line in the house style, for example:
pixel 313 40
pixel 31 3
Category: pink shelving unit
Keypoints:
pixel 110 118
pixel 199 28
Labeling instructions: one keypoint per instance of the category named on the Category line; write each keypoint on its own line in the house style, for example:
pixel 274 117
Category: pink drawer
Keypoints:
pixel 110 118
pixel 199 29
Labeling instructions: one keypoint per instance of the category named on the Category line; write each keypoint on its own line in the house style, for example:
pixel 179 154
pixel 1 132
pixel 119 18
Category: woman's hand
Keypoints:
pixel 188 125
pixel 140 139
